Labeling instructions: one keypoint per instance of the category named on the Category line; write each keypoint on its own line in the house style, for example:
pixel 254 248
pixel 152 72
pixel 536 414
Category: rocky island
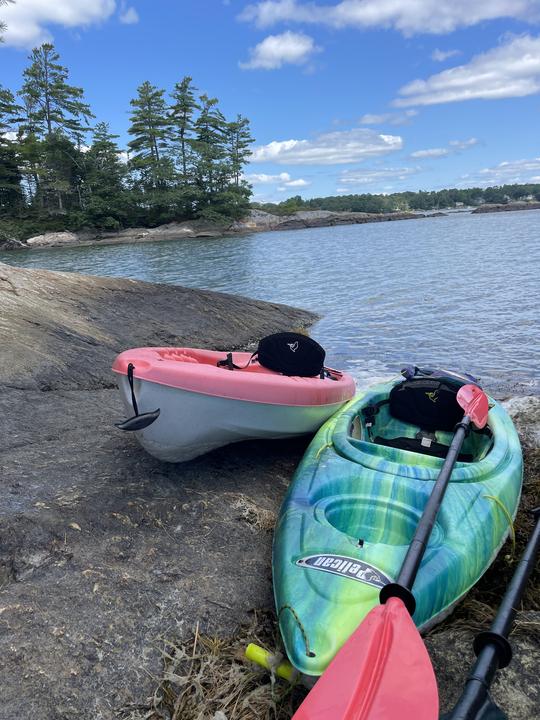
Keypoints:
pixel 106 554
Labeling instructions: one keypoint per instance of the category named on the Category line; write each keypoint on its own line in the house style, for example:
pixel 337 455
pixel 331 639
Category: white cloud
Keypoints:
pixel 128 15
pixel 464 144
pixel 505 173
pixel 509 70
pixel 370 176
pixel 277 50
pixel 340 147
pixel 414 16
pixel 28 20
pixel 430 153
pixel 263 178
pixel 454 147
pixel 284 178
pixel 442 55
pixel 392 118
pixel 298 183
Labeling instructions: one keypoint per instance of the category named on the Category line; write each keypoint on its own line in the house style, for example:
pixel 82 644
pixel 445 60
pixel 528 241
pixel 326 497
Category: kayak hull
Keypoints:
pixel 351 512
pixel 215 406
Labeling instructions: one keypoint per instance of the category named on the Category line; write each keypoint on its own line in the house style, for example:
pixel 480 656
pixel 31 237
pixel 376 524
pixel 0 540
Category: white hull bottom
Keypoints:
pixel 191 424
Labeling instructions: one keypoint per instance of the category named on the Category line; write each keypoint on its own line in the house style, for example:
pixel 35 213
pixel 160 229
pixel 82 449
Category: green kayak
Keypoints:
pixel 355 500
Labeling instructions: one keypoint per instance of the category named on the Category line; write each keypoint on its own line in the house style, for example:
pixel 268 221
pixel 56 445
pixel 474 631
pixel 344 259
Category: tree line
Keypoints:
pixel 59 169
pixel 404 201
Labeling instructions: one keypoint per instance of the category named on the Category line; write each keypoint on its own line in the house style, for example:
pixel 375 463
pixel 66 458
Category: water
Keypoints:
pixel 459 292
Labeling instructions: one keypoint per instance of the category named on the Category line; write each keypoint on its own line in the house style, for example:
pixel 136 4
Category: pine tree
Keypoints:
pixel 240 140
pixel 107 203
pixel 11 197
pixel 52 103
pixel 182 113
pixel 153 171
pixel 150 126
pixel 61 174
pixel 210 146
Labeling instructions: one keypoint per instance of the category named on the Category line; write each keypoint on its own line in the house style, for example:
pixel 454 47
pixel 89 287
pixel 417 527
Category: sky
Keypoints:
pixel 344 97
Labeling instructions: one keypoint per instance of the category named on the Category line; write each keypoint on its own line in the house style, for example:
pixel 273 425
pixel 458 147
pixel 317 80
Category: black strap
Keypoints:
pixel 228 362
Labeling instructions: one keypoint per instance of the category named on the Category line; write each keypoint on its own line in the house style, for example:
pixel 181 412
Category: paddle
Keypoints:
pixel 492 647
pixel 383 671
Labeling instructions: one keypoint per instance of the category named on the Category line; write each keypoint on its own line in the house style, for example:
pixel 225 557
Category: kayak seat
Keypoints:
pixel 420 416
pixel 435 449
pixel 429 404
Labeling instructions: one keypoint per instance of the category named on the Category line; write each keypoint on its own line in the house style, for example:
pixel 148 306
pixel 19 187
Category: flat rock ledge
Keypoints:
pixel 107 554
pixel 256 221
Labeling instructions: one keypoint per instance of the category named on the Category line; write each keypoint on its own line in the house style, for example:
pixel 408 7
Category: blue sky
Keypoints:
pixel 348 96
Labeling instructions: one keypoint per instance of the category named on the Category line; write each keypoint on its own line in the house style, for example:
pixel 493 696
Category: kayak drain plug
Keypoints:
pixel 361 543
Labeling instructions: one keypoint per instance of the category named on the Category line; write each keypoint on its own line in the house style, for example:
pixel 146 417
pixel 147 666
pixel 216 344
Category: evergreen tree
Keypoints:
pixel 153 171
pixel 52 103
pixel 182 112
pixel 151 130
pixel 240 140
pixel 61 175
pixel 11 197
pixel 107 202
pixel 10 112
pixel 210 146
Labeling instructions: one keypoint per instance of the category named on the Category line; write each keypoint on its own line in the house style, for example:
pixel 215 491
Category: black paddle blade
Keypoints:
pixel 139 422
pixel 488 711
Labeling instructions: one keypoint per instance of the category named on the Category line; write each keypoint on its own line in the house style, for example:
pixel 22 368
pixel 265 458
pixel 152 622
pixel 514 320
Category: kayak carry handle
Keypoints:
pixel 138 421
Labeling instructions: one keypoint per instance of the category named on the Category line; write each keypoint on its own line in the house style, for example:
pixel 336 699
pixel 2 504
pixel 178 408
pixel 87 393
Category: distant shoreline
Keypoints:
pixel 257 221
pixel 509 207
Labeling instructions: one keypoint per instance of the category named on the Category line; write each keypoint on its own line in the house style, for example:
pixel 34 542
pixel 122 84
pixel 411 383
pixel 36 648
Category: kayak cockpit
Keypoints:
pixel 383 429
pixel 403 426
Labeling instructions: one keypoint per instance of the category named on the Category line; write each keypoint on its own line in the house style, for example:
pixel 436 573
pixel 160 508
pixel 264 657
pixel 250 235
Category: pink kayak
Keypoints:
pixel 182 404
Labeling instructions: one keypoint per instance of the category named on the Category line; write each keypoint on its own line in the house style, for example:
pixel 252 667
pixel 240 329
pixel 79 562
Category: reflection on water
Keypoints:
pixel 458 291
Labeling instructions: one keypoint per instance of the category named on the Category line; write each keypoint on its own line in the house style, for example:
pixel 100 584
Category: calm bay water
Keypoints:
pixel 459 292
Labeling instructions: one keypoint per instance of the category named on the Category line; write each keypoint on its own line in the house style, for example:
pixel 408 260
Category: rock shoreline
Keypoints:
pixel 107 554
pixel 257 221
pixel 506 207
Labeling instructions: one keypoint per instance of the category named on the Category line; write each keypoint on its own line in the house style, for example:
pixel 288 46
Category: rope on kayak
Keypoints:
pixel 508 517
pixel 323 447
pixel 309 652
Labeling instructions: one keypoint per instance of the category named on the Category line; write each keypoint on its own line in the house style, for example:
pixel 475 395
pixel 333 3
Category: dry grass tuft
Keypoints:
pixel 254 515
pixel 207 678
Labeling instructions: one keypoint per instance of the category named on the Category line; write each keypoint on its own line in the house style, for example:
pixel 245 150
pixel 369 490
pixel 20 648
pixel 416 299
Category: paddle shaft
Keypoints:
pixel 492 647
pixel 417 548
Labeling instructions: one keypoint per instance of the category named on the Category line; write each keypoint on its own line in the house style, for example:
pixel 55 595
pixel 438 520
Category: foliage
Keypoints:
pixel 422 200
pixel 3 25
pixel 184 158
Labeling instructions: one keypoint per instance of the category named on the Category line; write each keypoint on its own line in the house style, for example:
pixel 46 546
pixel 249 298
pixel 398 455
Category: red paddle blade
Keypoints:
pixel 474 402
pixel 383 672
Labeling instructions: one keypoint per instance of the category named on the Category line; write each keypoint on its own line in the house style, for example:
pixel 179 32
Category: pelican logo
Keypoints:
pixel 433 396
pixel 293 347
pixel 346 567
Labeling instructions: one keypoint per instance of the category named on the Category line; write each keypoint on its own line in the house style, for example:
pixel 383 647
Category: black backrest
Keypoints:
pixel 429 403
pixel 291 354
